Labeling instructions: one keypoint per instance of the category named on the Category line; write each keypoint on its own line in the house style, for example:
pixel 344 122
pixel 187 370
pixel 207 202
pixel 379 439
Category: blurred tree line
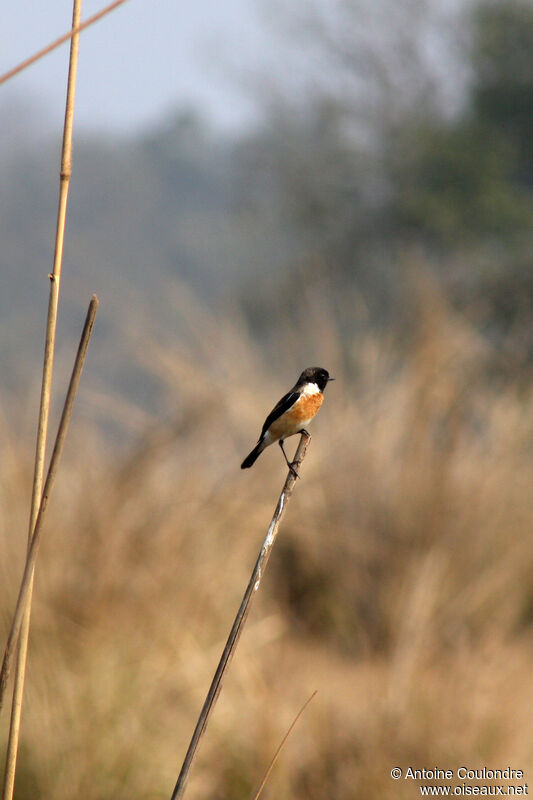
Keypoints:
pixel 411 142
pixel 393 173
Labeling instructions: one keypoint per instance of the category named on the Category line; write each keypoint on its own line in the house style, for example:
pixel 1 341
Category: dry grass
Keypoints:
pixel 408 543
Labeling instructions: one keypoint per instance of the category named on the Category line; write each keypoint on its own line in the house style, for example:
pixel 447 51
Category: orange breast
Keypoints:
pixel 297 417
pixel 306 407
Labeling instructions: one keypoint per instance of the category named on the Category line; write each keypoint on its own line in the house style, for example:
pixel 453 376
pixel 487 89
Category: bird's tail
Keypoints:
pixel 253 456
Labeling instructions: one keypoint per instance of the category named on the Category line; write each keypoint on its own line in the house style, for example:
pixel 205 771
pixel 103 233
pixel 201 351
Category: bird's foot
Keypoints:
pixel 293 471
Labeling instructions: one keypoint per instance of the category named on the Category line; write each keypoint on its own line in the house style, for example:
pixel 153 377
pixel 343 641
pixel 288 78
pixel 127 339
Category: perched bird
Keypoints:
pixel 293 413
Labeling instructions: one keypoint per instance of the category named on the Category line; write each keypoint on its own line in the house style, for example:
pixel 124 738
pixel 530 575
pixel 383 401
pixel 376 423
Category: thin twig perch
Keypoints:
pixel 25 585
pixel 240 619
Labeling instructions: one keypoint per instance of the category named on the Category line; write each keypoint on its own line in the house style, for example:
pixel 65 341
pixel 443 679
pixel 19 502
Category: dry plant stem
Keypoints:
pixel 240 619
pixel 27 578
pixel 281 745
pixel 40 451
pixel 62 39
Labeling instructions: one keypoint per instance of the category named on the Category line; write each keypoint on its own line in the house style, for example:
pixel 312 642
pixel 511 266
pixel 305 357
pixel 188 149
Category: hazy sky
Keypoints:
pixel 136 64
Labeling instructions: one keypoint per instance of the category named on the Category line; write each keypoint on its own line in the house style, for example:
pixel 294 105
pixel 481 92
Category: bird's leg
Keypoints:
pixel 290 466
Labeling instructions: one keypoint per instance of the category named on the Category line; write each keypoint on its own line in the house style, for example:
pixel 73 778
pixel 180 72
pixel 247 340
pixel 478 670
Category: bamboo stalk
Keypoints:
pixel 40 450
pixel 27 577
pixel 59 41
pixel 240 619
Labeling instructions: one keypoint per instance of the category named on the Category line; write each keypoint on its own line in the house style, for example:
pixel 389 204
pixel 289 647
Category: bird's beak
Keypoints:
pixel 331 379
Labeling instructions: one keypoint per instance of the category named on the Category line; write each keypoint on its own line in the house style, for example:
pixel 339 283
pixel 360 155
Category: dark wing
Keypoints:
pixel 280 408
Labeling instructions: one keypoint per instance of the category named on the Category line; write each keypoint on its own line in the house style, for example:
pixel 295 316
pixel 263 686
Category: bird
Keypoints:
pixel 292 413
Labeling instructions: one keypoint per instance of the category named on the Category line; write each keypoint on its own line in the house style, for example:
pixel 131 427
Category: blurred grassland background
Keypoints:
pixel 378 222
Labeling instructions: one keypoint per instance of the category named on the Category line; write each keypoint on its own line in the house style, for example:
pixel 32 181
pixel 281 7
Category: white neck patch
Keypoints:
pixel 310 388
